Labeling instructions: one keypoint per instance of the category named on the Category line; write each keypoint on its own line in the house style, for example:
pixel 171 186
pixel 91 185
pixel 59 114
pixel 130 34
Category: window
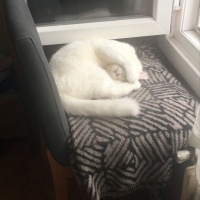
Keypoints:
pixel 182 46
pixel 63 21
pixel 197 27
pixel 81 11
pixel 185 27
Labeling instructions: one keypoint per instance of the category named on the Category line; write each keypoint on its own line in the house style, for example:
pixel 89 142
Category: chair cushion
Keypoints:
pixel 113 156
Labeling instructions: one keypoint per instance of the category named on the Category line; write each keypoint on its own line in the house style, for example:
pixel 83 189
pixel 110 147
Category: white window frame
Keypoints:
pixel 182 46
pixel 184 29
pixel 157 25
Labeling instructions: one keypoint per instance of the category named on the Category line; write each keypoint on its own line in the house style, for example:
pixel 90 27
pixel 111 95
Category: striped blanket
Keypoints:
pixel 114 156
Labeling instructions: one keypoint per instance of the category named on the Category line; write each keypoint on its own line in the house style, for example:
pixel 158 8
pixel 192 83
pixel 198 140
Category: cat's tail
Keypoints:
pixel 122 107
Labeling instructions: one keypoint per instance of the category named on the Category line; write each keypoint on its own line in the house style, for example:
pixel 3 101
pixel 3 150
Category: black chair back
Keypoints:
pixel 39 79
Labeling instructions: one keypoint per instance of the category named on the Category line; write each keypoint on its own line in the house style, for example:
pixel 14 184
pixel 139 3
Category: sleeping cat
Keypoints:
pixel 81 72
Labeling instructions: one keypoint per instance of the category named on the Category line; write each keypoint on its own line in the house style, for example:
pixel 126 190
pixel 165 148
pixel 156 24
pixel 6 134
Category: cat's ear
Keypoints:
pixel 143 75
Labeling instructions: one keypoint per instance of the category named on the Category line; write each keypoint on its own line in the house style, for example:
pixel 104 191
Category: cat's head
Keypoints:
pixel 116 72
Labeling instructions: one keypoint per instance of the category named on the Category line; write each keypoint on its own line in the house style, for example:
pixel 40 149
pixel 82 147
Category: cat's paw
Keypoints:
pixel 131 78
pixel 136 85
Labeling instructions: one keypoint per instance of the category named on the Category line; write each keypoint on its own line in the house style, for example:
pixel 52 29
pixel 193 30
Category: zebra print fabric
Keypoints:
pixel 114 156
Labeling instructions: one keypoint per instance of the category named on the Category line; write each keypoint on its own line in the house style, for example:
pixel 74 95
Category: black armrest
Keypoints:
pixel 38 77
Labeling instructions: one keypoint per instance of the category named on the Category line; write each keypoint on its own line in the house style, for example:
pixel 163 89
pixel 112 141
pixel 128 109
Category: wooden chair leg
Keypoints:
pixel 60 177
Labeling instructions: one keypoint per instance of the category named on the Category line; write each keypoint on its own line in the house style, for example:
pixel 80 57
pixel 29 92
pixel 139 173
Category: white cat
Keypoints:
pixel 85 84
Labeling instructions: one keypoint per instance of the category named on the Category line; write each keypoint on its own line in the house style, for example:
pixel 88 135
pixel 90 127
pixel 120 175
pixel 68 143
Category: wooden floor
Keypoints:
pixel 24 177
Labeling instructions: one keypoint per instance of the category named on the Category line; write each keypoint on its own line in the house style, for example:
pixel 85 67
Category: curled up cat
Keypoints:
pixel 92 76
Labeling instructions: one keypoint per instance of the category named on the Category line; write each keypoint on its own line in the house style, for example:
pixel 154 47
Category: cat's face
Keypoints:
pixel 116 72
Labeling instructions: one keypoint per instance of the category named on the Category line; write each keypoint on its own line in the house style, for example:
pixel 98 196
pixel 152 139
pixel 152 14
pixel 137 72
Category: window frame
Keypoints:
pixel 197 26
pixel 159 24
pixel 179 46
pixel 184 31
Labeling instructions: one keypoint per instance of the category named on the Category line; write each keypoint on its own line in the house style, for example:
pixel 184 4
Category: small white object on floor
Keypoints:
pixel 182 156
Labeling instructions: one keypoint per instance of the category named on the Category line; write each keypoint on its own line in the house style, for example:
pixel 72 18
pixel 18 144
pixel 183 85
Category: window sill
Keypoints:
pixel 128 28
pixel 193 37
pixel 183 60
pixel 189 40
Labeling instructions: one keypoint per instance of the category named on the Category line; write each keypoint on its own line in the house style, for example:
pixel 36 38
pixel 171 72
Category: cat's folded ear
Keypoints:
pixel 143 75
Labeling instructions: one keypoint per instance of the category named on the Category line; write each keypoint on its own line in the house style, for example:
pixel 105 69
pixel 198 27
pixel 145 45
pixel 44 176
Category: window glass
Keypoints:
pixel 197 27
pixel 80 11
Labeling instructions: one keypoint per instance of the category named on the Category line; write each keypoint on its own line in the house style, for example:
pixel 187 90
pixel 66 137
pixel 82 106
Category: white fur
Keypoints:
pixel 116 72
pixel 84 85
pixel 122 107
